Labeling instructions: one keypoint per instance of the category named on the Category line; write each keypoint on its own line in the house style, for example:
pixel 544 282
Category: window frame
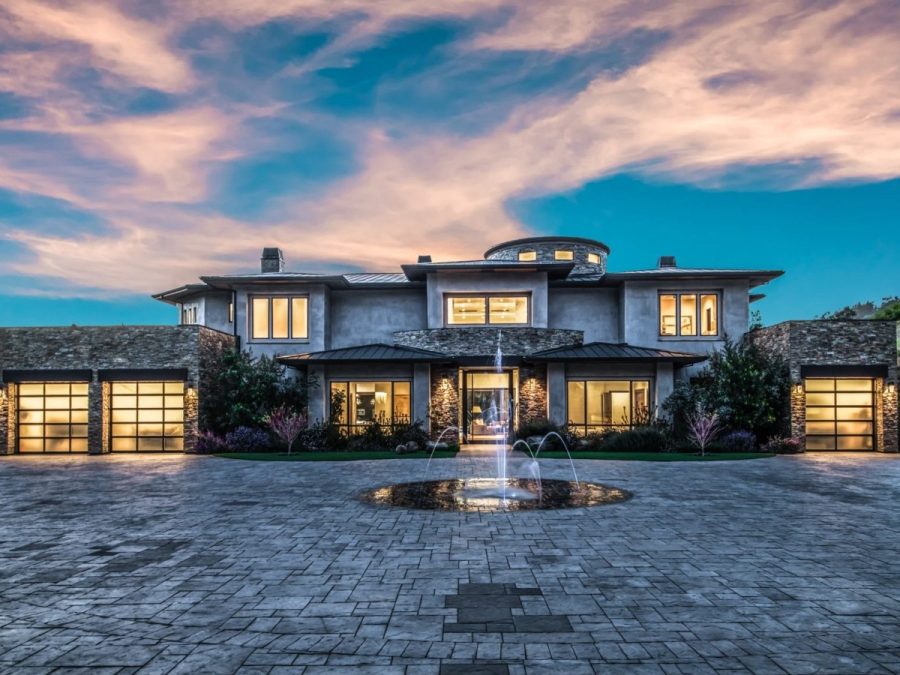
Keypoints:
pixel 698 295
pixel 487 306
pixel 269 298
pixel 582 429
pixel 348 426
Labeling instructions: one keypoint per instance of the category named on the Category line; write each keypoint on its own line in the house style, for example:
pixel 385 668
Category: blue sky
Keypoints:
pixel 143 144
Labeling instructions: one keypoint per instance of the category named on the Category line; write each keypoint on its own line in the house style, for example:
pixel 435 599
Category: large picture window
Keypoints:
pixel 147 416
pixel 689 314
pixel 53 417
pixel 279 317
pixel 481 310
pixel 361 403
pixel 600 405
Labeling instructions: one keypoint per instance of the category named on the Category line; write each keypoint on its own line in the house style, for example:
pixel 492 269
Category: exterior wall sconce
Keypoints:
pixel 798 388
pixel 191 390
pixel 890 389
pixel 2 391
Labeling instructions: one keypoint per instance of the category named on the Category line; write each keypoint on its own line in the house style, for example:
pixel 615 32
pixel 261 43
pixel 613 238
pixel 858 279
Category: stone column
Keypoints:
pixel 532 394
pixel 191 417
pixel 95 416
pixel 444 400
pixel 886 416
pixel 5 435
pixel 798 412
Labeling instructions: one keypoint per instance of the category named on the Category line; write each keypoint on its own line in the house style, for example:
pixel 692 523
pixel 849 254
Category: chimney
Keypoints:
pixel 424 258
pixel 667 261
pixel 272 260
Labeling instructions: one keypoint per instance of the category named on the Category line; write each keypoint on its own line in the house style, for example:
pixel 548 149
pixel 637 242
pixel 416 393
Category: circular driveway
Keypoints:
pixel 198 564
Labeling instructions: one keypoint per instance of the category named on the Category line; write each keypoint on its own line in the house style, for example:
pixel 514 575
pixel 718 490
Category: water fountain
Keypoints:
pixel 517 483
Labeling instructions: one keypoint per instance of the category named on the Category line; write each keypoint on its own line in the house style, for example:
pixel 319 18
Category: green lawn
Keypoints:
pixel 444 454
pixel 656 456
pixel 331 456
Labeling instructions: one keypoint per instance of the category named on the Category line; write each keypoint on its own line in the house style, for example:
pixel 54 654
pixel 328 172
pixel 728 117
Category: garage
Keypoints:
pixel 840 413
pixel 52 417
pixel 147 416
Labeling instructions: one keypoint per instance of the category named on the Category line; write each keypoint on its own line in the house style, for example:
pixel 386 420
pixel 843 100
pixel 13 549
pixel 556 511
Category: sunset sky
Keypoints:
pixel 144 143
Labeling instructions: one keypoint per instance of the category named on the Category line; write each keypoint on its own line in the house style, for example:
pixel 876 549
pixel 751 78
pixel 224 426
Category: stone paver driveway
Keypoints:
pixel 196 564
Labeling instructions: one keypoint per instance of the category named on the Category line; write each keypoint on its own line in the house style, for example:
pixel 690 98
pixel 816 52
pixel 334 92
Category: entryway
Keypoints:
pixel 488 405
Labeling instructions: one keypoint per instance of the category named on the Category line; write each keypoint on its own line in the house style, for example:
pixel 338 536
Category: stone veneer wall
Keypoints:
pixel 532 393
pixel 831 342
pixel 444 400
pixel 546 252
pixel 106 348
pixel 482 341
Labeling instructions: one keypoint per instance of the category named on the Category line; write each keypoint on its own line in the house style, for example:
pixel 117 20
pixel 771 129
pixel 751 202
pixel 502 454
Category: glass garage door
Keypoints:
pixel 147 416
pixel 52 417
pixel 840 414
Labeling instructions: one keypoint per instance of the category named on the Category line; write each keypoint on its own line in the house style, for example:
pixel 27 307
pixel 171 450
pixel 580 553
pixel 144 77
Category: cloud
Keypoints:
pixel 132 49
pixel 730 85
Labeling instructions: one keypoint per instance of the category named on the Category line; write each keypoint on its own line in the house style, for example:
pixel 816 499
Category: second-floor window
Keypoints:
pixel 484 310
pixel 689 314
pixel 279 317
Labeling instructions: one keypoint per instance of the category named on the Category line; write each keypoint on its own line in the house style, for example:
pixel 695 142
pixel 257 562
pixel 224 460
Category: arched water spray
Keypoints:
pixel 435 447
pixel 561 440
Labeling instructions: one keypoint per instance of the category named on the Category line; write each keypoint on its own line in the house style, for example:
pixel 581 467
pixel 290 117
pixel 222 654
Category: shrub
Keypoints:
pixel 209 443
pixel 413 432
pixel 241 390
pixel 537 427
pixel 639 439
pixel 737 441
pixel 247 439
pixel 781 445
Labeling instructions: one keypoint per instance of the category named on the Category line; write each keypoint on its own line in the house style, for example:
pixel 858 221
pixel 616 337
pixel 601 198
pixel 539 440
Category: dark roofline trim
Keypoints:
pixel 419 271
pixel 143 374
pixel 547 240
pixel 47 375
pixel 844 371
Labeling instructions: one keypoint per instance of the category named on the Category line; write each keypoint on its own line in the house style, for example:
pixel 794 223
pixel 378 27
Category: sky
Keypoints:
pixel 146 142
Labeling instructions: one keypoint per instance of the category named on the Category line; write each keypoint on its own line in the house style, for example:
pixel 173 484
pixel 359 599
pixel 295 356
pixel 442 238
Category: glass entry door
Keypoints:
pixel 489 405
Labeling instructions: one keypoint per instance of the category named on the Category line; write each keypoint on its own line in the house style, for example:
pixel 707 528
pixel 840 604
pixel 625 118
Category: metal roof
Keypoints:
pixel 610 351
pixel 377 278
pixel 373 352
pixel 546 240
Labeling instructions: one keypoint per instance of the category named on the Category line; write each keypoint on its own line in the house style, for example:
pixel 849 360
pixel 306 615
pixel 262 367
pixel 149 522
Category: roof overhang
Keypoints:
pixel 366 353
pixel 615 352
pixel 182 293
pixel 755 277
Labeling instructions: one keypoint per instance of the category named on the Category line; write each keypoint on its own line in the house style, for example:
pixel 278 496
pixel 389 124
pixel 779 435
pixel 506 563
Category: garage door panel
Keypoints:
pixel 840 414
pixel 147 416
pixel 52 417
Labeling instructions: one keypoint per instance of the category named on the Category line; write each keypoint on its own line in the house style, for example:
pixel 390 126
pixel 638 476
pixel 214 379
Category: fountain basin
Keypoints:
pixel 484 494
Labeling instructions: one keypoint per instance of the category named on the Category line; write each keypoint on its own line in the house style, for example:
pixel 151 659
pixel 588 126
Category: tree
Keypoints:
pixel 242 391
pixel 702 428
pixel 287 425
pixel 889 311
pixel 747 388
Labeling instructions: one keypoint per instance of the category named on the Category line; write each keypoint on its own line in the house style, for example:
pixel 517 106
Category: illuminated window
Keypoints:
pixel 52 417
pixel 230 312
pixel 593 258
pixel 563 254
pixel 840 414
pixel 362 403
pixel 601 405
pixel 480 310
pixel 279 318
pixel 147 416
pixel 689 314
pixel 527 256
pixel 668 316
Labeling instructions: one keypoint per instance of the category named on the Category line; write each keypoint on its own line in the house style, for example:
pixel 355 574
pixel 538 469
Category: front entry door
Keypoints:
pixel 488 405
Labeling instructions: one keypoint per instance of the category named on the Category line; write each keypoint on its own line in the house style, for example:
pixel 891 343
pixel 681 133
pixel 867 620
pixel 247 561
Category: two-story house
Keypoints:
pixel 579 345
pixel 536 329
